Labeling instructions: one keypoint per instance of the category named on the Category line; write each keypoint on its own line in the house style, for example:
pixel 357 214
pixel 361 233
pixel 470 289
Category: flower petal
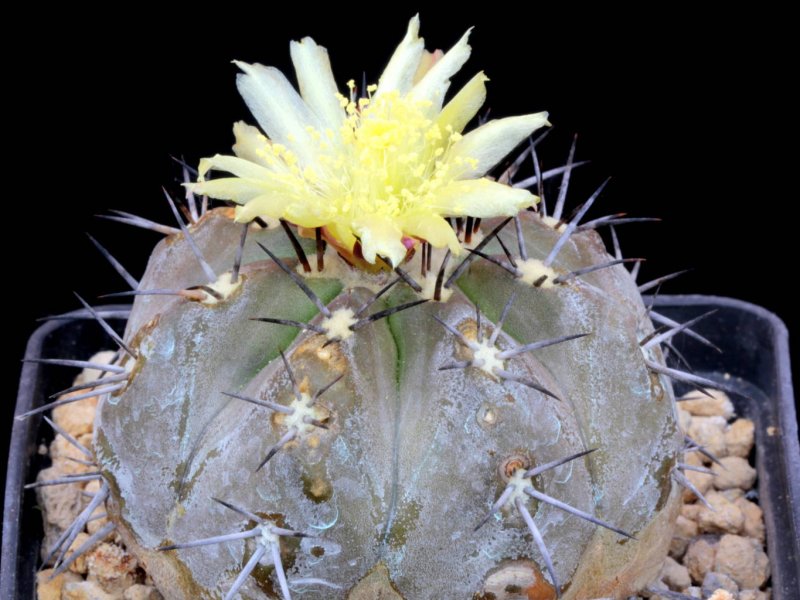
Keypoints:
pixel 464 105
pixel 250 144
pixel 489 144
pixel 239 190
pixel 232 164
pixel 399 73
pixel 278 108
pixel 432 228
pixel 266 205
pixel 310 212
pixel 342 233
pixel 317 85
pixel 433 86
pixel 426 62
pixel 481 198
pixel 380 236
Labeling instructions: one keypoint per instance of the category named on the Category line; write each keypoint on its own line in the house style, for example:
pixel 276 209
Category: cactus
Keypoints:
pixel 372 371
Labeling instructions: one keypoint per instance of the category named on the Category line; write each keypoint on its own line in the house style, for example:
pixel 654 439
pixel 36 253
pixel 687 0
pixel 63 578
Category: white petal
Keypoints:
pixel 267 205
pixel 231 188
pixel 481 198
pixel 432 228
pixel 232 164
pixel 399 73
pixel 380 236
pixel 490 143
pixel 433 86
pixel 426 62
pixel 250 144
pixel 278 108
pixel 310 211
pixel 464 105
pixel 317 85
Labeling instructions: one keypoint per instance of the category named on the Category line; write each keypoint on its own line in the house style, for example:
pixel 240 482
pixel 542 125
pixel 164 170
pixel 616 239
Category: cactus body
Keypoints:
pixel 412 457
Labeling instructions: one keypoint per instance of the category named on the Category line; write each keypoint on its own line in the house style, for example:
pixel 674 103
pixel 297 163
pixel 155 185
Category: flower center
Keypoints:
pixel 388 158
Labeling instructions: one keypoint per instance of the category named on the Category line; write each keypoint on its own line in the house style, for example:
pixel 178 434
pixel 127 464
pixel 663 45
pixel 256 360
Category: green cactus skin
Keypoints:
pixel 413 457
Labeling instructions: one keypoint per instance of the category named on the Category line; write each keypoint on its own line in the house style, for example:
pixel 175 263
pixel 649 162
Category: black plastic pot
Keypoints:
pixel 755 359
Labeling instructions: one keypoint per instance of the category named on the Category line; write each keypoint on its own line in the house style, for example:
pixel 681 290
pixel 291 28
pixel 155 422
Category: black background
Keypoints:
pixel 688 113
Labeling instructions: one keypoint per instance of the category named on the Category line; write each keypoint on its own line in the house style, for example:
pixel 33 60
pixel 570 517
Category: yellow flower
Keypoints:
pixel 376 173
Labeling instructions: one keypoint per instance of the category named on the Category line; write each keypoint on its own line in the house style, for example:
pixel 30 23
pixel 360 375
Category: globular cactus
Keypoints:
pixel 377 372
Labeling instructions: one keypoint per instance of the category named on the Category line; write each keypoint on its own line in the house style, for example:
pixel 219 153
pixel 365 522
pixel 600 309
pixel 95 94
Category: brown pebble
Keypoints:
pixel 743 559
pixel 737 473
pixel 86 590
pixel 62 454
pixel 753 519
pixel 733 494
pixel 701 481
pixel 86 440
pixel 718 581
pixel 60 503
pixel 691 511
pixel 142 592
pixel 700 405
pixel 675 575
pixel 684 419
pixel 710 433
pixel 111 567
pixel 76 418
pixel 699 558
pixel 724 518
pixel 50 589
pixel 722 595
pixel 94 525
pixel 753 595
pixel 685 530
pixel 101 358
pixel 79 564
pixel 739 438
